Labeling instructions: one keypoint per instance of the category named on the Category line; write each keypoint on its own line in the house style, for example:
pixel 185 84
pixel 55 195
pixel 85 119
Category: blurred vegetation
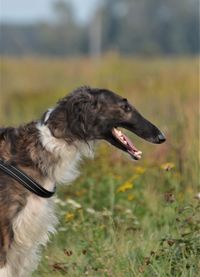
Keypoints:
pixel 147 27
pixel 121 218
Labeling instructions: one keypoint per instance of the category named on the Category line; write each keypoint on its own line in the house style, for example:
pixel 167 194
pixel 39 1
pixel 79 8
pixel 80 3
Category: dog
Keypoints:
pixel 48 150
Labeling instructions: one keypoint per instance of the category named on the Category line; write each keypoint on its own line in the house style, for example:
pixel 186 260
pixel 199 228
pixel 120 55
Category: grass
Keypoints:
pixel 121 218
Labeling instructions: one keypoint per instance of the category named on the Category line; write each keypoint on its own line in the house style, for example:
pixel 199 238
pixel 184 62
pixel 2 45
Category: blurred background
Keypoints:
pixel 93 27
pixel 120 218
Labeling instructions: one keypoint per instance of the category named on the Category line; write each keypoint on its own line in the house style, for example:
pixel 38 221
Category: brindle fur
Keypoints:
pixel 85 115
pixel 21 147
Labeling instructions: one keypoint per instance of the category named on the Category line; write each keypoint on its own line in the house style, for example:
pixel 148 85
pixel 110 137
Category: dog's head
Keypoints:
pixel 95 114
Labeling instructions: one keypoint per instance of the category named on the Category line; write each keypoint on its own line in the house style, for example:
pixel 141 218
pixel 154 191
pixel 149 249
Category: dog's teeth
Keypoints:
pixel 122 138
pixel 138 154
pixel 118 132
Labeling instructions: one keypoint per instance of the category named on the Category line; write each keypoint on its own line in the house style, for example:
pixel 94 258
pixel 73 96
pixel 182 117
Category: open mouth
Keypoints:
pixel 126 144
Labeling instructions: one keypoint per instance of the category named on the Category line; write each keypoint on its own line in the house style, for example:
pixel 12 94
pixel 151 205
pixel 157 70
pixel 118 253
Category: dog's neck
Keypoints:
pixel 62 166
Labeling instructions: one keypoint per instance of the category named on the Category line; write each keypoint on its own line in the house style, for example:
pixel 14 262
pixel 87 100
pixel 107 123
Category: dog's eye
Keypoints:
pixel 126 107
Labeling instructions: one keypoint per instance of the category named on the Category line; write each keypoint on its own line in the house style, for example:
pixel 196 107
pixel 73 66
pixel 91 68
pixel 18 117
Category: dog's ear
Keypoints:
pixel 72 117
pixel 95 103
pixel 56 121
pixel 79 114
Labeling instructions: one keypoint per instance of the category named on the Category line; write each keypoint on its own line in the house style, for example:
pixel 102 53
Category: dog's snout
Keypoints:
pixel 161 138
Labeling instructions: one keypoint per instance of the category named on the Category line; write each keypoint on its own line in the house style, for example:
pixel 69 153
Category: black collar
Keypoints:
pixel 25 180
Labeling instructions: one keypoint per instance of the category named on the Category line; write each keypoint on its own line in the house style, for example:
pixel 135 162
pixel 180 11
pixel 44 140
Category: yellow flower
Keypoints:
pixel 69 216
pixel 139 170
pixel 118 177
pixel 130 197
pixel 124 187
pixel 81 192
pixel 167 166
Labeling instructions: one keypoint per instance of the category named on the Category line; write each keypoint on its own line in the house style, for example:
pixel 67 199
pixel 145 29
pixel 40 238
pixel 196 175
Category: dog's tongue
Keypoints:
pixel 132 150
pixel 131 144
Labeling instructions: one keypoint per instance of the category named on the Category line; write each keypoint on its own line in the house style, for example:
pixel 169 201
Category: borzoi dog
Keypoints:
pixel 48 151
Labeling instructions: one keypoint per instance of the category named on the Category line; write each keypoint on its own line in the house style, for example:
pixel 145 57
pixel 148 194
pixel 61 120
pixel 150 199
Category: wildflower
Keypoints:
pixel 124 187
pixel 128 211
pixel 170 242
pixel 118 177
pixel 80 192
pixel 167 166
pixel 169 197
pixel 69 216
pixel 59 267
pixel 141 269
pixel 139 170
pixel 147 260
pixel 59 201
pixel 130 197
pixel 67 252
pixel 73 203
pixel 106 213
pixel 197 196
pixel 62 229
pixel 91 211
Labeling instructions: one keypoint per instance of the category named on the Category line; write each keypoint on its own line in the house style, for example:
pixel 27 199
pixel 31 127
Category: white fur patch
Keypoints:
pixel 48 114
pixel 68 156
pixel 31 230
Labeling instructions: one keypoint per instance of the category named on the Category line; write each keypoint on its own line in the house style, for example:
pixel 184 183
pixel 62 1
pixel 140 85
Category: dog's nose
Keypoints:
pixel 161 138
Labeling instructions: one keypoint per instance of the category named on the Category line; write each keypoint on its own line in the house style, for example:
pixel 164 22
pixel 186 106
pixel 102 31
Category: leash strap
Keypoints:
pixel 25 180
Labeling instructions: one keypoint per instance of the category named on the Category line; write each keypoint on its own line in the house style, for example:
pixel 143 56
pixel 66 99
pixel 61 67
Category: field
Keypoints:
pixel 121 218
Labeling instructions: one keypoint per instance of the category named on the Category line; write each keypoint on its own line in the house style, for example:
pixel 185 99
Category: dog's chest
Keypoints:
pixel 37 219
pixel 65 171
pixel 34 222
